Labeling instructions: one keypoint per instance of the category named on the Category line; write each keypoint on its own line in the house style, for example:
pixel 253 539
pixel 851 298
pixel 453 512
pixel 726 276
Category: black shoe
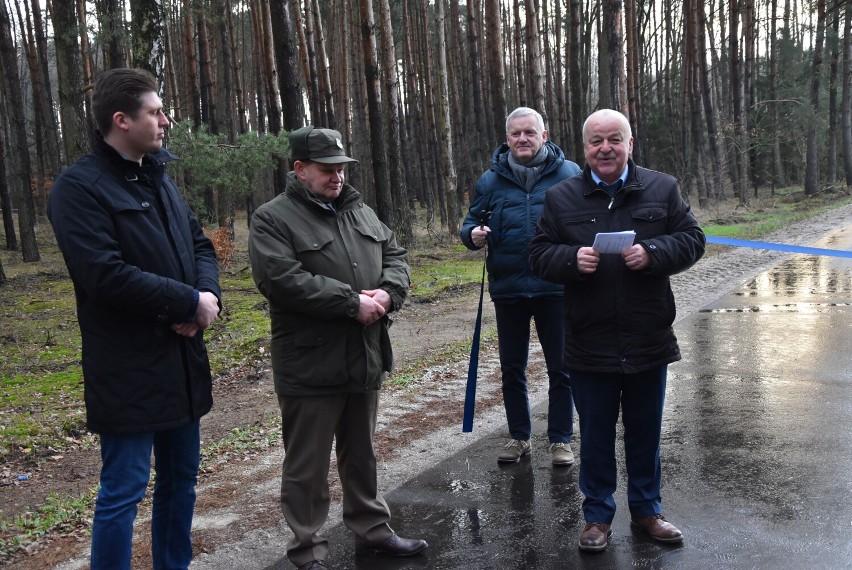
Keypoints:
pixel 393 546
pixel 313 565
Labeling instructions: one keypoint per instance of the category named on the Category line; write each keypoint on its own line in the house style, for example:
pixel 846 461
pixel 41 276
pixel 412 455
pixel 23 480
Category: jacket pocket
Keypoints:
pixel 649 221
pixel 314 241
pixel 313 355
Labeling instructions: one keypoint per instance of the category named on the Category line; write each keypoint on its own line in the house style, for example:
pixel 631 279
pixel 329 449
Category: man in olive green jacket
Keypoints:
pixel 332 272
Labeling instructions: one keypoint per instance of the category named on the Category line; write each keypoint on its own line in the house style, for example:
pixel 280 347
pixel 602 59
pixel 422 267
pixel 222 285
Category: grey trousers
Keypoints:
pixel 310 424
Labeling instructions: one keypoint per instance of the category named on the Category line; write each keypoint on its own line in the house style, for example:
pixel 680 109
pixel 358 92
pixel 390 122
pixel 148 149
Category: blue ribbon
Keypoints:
pixel 779 247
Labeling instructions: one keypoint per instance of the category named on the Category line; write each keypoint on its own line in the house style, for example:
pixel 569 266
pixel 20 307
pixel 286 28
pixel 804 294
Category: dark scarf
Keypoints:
pixel 529 173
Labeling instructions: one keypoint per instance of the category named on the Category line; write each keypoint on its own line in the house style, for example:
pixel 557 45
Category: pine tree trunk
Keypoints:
pixel 318 115
pixel 384 203
pixel 18 147
pixel 812 153
pixel 287 65
pixel 403 216
pixel 5 195
pixel 70 87
pixel 111 19
pixel 533 44
pixel 574 76
pixel 28 48
pixel 193 89
pixel 54 153
pixel 146 36
pixel 496 69
pixel 445 134
pixel 846 112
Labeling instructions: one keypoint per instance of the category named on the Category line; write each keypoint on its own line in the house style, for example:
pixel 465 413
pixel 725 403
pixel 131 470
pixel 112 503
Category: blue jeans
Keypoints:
pixel 513 339
pixel 599 398
pixel 125 473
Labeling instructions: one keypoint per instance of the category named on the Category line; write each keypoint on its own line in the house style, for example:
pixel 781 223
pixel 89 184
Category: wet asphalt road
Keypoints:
pixel 757 457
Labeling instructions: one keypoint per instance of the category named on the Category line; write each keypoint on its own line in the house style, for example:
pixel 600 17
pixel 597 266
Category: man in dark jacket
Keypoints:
pixel 504 210
pixel 332 272
pixel 147 284
pixel 619 310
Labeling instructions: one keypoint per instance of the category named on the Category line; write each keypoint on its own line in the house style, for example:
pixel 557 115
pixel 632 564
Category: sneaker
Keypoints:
pixel 561 454
pixel 514 450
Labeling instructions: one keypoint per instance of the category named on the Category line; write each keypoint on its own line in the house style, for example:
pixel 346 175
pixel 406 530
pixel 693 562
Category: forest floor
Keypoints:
pixel 419 424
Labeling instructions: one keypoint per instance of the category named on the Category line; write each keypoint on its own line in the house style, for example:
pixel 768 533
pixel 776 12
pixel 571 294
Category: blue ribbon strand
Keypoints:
pixel 779 247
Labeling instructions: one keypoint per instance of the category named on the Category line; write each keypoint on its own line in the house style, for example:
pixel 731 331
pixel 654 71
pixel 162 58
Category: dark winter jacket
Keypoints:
pixel 311 262
pixel 138 258
pixel 513 218
pixel 617 320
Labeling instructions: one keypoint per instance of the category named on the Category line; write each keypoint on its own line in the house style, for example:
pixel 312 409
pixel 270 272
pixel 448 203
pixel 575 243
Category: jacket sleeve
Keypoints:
pixel 280 277
pixel 89 241
pixel 479 206
pixel 550 258
pixel 206 264
pixel 682 245
pixel 396 278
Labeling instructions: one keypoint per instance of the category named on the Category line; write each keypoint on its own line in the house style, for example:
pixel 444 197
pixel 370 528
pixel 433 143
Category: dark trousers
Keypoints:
pixel 639 397
pixel 513 338
pixel 310 424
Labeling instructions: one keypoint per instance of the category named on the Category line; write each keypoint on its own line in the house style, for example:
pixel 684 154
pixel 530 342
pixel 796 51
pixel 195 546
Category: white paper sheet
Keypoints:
pixel 614 242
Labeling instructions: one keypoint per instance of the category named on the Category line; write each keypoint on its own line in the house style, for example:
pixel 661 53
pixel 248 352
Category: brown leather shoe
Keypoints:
pixel 658 528
pixel 393 546
pixel 595 537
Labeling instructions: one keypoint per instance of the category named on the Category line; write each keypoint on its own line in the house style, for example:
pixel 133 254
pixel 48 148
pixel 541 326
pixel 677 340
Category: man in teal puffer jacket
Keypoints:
pixel 332 273
pixel 512 193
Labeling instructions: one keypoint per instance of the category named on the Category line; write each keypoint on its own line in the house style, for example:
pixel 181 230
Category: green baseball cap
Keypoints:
pixel 317 145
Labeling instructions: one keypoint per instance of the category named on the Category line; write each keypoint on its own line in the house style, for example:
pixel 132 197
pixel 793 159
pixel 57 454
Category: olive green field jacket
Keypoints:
pixel 311 261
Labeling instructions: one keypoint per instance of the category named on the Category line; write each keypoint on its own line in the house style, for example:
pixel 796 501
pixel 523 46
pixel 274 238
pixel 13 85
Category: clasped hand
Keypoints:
pixel 205 314
pixel 375 303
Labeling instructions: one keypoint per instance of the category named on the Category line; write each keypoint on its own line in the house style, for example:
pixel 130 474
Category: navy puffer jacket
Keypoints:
pixel 513 220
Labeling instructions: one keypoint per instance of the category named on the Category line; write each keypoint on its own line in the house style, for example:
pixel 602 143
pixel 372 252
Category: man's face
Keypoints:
pixel 324 180
pixel 144 132
pixel 525 138
pixel 607 148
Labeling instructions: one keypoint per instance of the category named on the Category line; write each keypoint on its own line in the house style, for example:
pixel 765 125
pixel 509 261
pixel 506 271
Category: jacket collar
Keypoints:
pixel 632 184
pixel 297 191
pixel 158 158
pixel 500 159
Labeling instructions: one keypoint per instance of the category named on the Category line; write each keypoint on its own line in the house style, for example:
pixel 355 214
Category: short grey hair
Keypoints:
pixel 523 112
pixel 609 114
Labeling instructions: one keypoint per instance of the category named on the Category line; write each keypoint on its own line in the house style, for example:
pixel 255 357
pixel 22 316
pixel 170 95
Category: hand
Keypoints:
pixel 636 258
pixel 381 296
pixel 587 259
pixel 479 235
pixel 208 309
pixel 186 329
pixel 369 311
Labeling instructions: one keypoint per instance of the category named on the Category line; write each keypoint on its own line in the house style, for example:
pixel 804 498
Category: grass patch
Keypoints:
pixel 408 377
pixel 436 271
pixel 57 515
pixel 770 213
pixel 242 441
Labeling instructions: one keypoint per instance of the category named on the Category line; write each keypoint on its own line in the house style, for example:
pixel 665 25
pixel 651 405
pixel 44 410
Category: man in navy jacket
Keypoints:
pixel 619 310
pixel 147 284
pixel 504 210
